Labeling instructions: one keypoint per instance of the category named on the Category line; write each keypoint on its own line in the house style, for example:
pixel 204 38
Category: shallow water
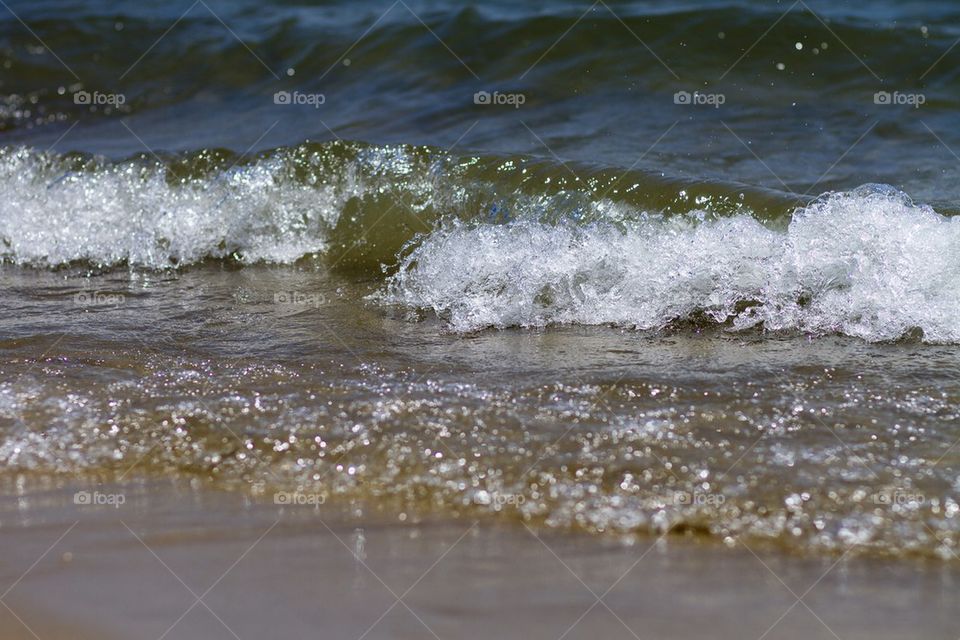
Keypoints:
pixel 810 443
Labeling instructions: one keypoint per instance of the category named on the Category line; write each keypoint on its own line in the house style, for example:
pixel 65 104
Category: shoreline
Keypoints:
pixel 131 571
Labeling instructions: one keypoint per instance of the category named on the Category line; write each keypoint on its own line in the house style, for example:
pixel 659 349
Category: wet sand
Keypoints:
pixel 182 560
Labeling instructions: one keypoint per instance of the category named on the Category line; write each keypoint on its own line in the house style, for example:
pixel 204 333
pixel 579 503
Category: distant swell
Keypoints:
pixel 867 263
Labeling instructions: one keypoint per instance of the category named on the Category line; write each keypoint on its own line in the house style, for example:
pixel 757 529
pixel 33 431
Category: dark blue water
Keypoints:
pixel 797 79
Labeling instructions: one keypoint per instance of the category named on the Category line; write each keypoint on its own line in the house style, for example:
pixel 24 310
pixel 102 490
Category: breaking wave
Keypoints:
pixel 355 202
pixel 504 242
pixel 868 263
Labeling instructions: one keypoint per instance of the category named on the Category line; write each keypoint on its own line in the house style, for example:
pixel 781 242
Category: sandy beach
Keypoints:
pixel 259 570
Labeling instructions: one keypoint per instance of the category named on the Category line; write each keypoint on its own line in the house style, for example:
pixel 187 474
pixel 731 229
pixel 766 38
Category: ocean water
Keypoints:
pixel 626 268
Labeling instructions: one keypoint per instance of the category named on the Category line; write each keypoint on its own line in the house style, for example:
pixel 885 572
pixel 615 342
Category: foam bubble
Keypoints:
pixel 867 263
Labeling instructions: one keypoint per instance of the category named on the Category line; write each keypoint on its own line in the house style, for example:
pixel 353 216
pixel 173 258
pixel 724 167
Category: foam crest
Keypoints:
pixel 137 214
pixel 867 263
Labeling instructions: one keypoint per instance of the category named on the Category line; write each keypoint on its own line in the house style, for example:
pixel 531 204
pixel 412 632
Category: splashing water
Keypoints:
pixel 867 263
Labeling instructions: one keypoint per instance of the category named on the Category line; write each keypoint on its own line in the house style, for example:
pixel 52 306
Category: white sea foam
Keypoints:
pixel 108 214
pixel 866 263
